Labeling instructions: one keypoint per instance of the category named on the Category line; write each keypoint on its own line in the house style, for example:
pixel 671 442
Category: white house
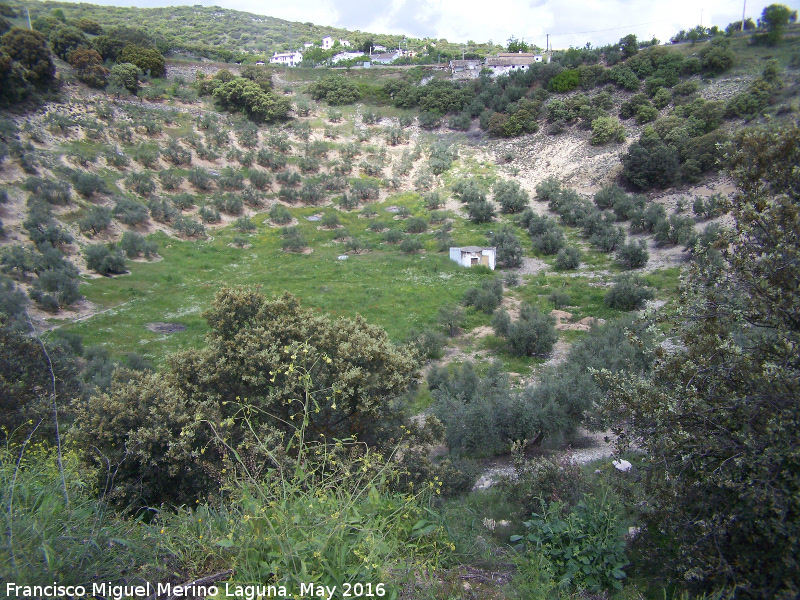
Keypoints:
pixel 469 256
pixel 505 63
pixel 327 42
pixel 379 48
pixel 287 59
pixel 345 43
pixel 308 45
pixel 386 58
pixel 342 56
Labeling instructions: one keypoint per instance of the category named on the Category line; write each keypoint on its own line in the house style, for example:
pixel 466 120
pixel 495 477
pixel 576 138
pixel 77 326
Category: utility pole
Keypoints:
pixel 744 8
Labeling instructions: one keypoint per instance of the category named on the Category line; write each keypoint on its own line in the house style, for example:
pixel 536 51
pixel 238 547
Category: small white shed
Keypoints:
pixel 470 256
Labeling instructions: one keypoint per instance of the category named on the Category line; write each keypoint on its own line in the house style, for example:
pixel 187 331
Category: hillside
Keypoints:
pixel 269 371
pixel 223 34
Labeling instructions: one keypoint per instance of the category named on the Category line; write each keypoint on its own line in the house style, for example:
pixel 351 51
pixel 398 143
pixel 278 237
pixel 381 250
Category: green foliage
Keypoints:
pixel 95 219
pixel 358 376
pixel 533 334
pixel 721 490
pixel 584 547
pixel 486 297
pixel 650 163
pixel 336 90
pixel 133 244
pixel 25 62
pixel 249 97
pixel 509 249
pixel 130 212
pixel 629 292
pixel 568 258
pixel 104 260
pixel 774 19
pixel 633 255
pixel 565 81
pixel 480 211
pixel 605 130
pixel 67 39
pixel 511 197
pixel 125 75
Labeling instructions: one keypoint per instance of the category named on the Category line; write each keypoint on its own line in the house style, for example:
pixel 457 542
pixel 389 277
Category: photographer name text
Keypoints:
pixel 109 591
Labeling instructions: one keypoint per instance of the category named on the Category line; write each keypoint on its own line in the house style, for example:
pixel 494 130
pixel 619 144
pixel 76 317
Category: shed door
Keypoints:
pixel 485 260
pixel 474 260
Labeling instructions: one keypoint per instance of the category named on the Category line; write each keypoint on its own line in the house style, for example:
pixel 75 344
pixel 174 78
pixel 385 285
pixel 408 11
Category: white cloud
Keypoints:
pixel 462 20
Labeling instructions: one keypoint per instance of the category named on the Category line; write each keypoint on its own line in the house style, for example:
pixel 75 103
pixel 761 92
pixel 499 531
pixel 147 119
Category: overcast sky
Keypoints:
pixel 569 22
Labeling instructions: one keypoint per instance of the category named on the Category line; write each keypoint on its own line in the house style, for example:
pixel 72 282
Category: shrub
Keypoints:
pixel 189 227
pixel 511 197
pixel 416 225
pixel 130 212
pixel 200 179
pixel 140 182
pixel 244 225
pixel 481 211
pixel 675 230
pixel 95 219
pixel 568 259
pixel 433 200
pixel 292 239
pixel 605 130
pixel 104 260
pixel 430 120
pixel 584 548
pixel 393 236
pixel 486 297
pixel 509 249
pixel 633 255
pixel 170 180
pixel 629 292
pixel 336 90
pixel 559 298
pixel 533 334
pixel 565 81
pixel 410 245
pixel 134 244
pixel 650 163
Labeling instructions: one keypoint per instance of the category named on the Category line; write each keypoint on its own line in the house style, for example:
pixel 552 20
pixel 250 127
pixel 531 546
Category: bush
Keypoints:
pixel 633 255
pixel 244 225
pixel 189 227
pixel 130 212
pixel 292 239
pixel 559 299
pixel 416 225
pixel 486 297
pixel 533 334
pixel 430 120
pixel 481 211
pixel 104 260
pixel 140 182
pixel 410 245
pixel 568 258
pixel 336 90
pixel 95 219
pixel 170 180
pixel 629 292
pixel 605 130
pixel 510 196
pixel 393 236
pixel 259 179
pixel 508 247
pixel 209 214
pixel 584 548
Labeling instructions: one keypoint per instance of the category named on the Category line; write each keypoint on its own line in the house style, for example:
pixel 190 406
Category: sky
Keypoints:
pixel 569 22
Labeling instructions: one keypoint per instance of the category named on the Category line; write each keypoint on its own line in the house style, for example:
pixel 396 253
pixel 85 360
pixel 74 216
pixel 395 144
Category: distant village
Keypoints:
pixel 501 64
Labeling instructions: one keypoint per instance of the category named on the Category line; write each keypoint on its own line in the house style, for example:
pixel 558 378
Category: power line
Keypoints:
pixel 598 30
